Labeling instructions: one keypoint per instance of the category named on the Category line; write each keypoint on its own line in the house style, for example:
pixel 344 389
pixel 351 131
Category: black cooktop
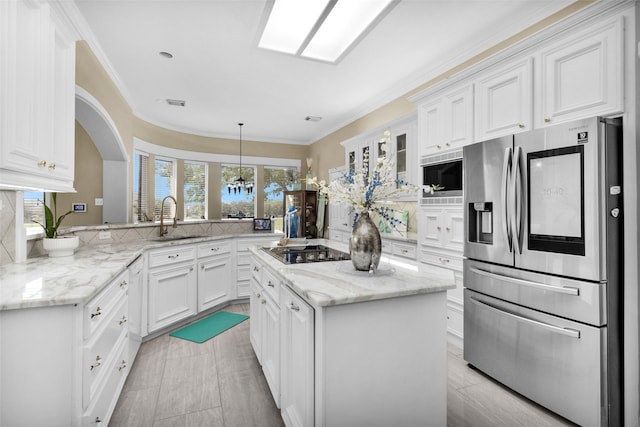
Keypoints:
pixel 304 254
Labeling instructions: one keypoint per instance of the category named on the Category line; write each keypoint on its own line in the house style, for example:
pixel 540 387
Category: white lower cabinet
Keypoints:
pixel 297 398
pixel 264 329
pixel 243 262
pixel 172 286
pixel 65 365
pixel 214 274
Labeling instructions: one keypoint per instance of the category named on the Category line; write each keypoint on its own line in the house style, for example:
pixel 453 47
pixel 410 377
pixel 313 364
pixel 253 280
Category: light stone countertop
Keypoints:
pixel 45 281
pixel 337 282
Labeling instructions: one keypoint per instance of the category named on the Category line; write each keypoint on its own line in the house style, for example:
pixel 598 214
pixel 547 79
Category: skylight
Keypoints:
pixel 319 29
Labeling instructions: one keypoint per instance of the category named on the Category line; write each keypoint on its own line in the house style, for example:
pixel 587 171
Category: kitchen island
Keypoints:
pixel 353 348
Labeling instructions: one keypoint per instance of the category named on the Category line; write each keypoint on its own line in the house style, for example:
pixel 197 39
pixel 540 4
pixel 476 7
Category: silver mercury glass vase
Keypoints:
pixel 365 245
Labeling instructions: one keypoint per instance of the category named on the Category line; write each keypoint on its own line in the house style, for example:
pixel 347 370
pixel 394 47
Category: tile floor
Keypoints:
pixel 219 383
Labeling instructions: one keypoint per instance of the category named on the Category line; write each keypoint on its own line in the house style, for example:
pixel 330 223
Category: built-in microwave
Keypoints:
pixel 442 175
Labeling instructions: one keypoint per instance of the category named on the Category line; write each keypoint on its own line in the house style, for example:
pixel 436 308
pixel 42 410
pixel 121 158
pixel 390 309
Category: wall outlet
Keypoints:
pixel 99 202
pixel 104 235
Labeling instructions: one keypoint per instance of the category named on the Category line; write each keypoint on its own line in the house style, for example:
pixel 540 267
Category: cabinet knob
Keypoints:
pixel 97 313
pixel 294 307
pixel 52 166
pixel 255 268
pixel 95 364
pixel 271 285
pixel 123 365
pixel 439 146
pixel 439 228
pixel 97 420
pixel 42 163
pixel 123 283
pixel 264 301
pixel 521 125
pixel 258 295
pixel 447 144
pixel 547 119
pixel 123 320
pixel 448 229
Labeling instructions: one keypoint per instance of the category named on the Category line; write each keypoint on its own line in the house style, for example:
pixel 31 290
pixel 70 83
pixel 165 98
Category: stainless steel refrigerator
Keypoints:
pixel 543 266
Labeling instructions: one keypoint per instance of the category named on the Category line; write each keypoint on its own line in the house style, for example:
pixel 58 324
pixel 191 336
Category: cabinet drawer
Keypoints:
pixel 98 353
pixel 243 259
pixel 243 273
pixel 271 284
pixel 387 247
pixel 214 248
pixel 101 407
pixel 171 255
pixel 101 306
pixel 404 250
pixel 440 259
pixel 256 270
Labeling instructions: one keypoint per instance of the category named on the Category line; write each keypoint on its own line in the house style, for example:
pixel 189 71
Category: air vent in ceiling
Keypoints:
pixel 176 102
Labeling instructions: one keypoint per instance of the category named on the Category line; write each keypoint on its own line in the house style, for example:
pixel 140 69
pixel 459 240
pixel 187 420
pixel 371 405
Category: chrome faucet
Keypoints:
pixel 163 229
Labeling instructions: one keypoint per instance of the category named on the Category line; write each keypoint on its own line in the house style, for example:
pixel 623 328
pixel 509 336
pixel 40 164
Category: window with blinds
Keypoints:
pixel 195 190
pixel 140 188
pixel 165 185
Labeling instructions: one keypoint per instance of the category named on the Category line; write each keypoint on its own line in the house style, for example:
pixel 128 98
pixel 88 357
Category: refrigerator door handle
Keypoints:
pixel 517 200
pixel 568 290
pixel 573 333
pixel 507 165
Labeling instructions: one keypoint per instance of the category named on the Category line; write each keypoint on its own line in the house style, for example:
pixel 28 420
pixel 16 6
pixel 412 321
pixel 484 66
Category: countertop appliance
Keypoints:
pixel 543 266
pixel 304 254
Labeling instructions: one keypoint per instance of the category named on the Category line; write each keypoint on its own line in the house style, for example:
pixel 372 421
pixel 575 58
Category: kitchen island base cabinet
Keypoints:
pixel 381 363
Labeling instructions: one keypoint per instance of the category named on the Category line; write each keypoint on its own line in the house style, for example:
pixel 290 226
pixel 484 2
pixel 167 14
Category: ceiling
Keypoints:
pixel 225 78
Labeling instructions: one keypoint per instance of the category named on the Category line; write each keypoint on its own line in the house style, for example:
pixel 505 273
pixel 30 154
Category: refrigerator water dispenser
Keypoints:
pixel 481 222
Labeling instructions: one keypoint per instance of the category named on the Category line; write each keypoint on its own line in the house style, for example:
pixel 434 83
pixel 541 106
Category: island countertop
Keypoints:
pixel 337 282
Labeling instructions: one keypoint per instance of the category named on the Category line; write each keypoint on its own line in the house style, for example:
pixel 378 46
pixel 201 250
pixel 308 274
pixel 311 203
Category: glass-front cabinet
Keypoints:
pixel 305 205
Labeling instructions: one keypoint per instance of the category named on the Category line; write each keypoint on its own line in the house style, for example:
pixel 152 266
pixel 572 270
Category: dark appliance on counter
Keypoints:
pixel 305 254
pixel 543 266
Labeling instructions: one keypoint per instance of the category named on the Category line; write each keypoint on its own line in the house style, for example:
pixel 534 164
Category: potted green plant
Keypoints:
pixel 54 245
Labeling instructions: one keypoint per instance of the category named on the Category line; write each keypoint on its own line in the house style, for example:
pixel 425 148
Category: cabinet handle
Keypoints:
pixel 404 251
pixel 52 167
pixel 448 229
pixel 97 313
pixel 258 295
pixel 123 365
pixel 547 119
pixel 123 283
pixel 191 268
pixel 271 285
pixel 438 146
pixel 443 260
pixel 96 363
pixel 97 420
pixel 215 249
pixel 255 268
pixel 439 228
pixel 521 125
pixel 293 307
pixel 123 320
pixel 42 163
pixel 448 144
pixel 264 301
pixel 173 256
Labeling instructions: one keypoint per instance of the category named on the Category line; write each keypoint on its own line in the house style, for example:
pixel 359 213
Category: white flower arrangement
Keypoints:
pixel 365 192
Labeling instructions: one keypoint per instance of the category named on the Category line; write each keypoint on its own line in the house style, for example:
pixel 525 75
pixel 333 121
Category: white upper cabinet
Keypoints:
pixel 37 109
pixel 581 75
pixel 446 121
pixel 504 101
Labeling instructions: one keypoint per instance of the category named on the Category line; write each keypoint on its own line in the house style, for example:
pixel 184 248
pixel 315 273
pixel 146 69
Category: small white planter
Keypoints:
pixel 61 246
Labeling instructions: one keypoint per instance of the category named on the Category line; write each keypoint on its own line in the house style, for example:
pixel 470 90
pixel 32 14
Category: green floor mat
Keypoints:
pixel 209 327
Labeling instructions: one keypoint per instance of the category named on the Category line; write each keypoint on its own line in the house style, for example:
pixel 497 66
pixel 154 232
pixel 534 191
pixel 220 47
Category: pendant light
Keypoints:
pixel 240 183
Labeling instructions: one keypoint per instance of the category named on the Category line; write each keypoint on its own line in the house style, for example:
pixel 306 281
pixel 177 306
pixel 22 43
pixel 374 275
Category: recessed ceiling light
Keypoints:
pixel 166 55
pixel 319 29
pixel 313 118
pixel 176 102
